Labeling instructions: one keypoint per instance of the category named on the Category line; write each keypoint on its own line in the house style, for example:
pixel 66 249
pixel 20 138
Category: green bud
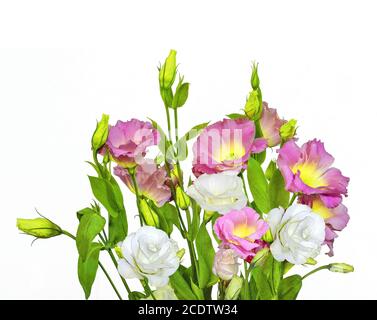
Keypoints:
pixel 101 133
pixel 119 252
pixel 183 199
pixel 260 257
pixel 270 169
pixel 341 267
pixel 208 215
pixel 181 95
pixel 311 262
pixel 234 288
pixel 253 106
pixel 288 130
pixel 268 237
pixel 287 266
pixel 39 227
pixel 168 71
pixel 254 77
pixel 180 253
pixel 149 215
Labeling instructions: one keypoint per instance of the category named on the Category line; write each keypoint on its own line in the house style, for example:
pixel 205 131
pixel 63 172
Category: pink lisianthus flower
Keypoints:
pixel 240 230
pixel 336 218
pixel 127 141
pixel 270 125
pixel 307 170
pixel 152 182
pixel 226 146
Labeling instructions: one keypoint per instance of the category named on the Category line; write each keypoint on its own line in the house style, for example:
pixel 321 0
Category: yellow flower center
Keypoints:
pixel 243 230
pixel 310 175
pixel 319 208
pixel 229 152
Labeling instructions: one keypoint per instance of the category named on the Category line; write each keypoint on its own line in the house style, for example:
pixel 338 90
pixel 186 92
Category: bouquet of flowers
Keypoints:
pixel 244 222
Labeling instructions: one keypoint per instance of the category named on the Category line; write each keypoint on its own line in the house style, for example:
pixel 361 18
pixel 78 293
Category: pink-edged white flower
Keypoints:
pixel 221 192
pixel 336 219
pixel 148 253
pixel 226 264
pixel 226 145
pixel 298 233
pixel 240 230
pixel 308 170
pixel 152 181
pixel 270 125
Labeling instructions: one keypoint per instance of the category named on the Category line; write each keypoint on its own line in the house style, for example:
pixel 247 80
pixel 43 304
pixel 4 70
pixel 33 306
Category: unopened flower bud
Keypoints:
pixel 254 77
pixel 268 237
pixel 341 267
pixel 288 130
pixel 101 133
pixel 270 170
pixel 168 71
pixel 39 227
pixel 234 288
pixel 253 106
pixel 149 215
pixel 226 264
pixel 183 199
pixel 180 253
pixel 311 262
pixel 118 251
pixel 260 257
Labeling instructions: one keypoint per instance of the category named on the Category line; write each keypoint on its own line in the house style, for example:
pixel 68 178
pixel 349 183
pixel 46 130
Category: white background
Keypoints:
pixel 64 63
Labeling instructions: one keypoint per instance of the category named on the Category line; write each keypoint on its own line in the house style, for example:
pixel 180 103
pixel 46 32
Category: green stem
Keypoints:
pixel 292 199
pixel 116 266
pixel 136 188
pixel 326 267
pixel 244 188
pixel 111 281
pixel 68 234
pixel 147 288
pixel 168 121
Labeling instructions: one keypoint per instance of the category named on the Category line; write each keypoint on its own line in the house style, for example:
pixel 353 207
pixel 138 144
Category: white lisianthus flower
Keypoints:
pixel 298 233
pixel 219 192
pixel 225 264
pixel 148 253
pixel 163 293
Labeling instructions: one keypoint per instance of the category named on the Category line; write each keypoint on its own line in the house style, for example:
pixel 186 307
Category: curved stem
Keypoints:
pixel 314 271
pixel 292 199
pixel 116 266
pixel 111 281
pixel 136 188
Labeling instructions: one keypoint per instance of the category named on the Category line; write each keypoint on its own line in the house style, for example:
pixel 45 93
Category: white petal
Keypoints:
pixel 126 270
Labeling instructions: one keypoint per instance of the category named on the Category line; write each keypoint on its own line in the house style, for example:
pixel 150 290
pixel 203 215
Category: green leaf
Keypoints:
pixel 290 287
pixel 85 211
pixel 181 95
pixel 118 226
pixel 276 190
pixel 166 224
pixel 164 145
pixel 197 291
pixel 90 226
pixel 245 293
pixel 258 185
pixel 276 275
pixel 87 269
pixel 181 288
pixel 170 213
pixel 104 193
pixel 167 96
pixel 195 223
pixel 262 284
pixel 206 255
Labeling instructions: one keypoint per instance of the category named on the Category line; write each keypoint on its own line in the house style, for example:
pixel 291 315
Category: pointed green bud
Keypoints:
pixel 101 133
pixel 254 76
pixel 341 267
pixel 39 227
pixel 288 130
pixel 253 106
pixel 180 253
pixel 119 252
pixel 168 71
pixel 287 266
pixel 234 288
pixel 311 262
pixel 268 237
pixel 181 95
pixel 149 215
pixel 208 215
pixel 260 257
pixel 183 199
pixel 270 169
